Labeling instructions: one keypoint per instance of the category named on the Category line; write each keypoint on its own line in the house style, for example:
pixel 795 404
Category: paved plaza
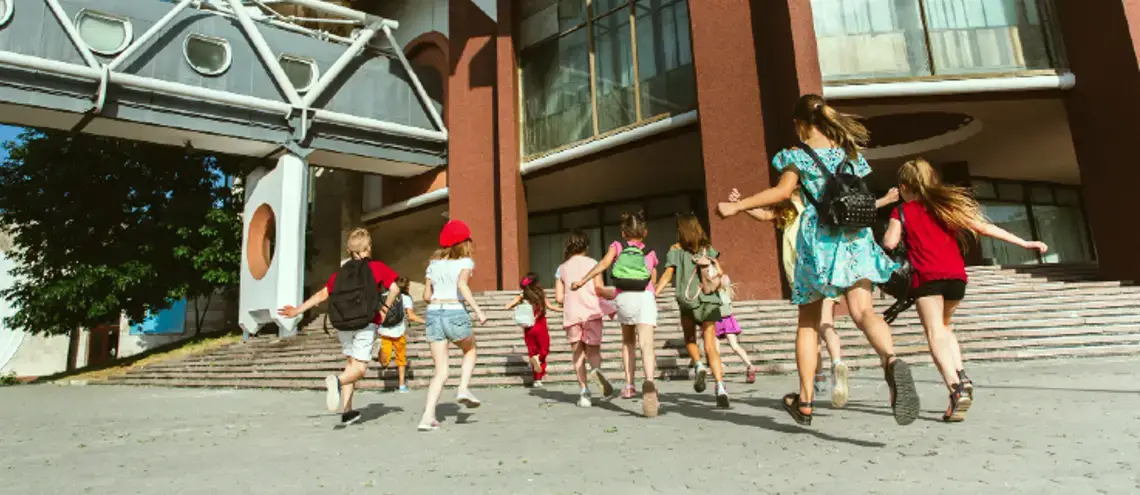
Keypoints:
pixel 1043 427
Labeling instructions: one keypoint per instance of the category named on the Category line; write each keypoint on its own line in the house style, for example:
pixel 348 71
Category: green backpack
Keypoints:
pixel 629 270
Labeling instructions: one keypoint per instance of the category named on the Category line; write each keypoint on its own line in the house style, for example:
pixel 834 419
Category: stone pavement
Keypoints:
pixel 1042 427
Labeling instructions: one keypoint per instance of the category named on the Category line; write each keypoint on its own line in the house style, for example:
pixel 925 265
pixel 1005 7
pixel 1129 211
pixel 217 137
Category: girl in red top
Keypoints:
pixel 537 336
pixel 935 217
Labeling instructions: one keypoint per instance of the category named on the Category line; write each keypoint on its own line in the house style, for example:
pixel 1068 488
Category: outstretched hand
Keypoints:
pixel 1038 246
pixel 726 210
pixel 576 285
pixel 734 196
pixel 289 312
pixel 892 195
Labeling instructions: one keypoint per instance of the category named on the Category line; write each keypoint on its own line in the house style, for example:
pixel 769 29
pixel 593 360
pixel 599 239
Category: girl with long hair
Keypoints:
pixel 831 261
pixel 936 218
pixel 536 334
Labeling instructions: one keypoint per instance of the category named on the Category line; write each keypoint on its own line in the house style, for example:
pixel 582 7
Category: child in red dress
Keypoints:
pixel 530 314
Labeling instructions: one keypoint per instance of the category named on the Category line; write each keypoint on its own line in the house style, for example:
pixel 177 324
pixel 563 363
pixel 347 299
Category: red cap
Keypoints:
pixel 454 232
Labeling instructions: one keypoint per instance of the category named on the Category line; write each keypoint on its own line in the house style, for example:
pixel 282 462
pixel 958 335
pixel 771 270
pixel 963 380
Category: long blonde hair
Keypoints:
pixel 952 205
pixel 841 128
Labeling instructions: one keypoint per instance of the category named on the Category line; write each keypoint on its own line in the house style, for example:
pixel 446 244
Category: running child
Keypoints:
pixel 692 254
pixel 729 329
pixel 394 339
pixel 530 314
pixel 634 275
pixel 446 291
pixel 356 311
pixel 583 313
pixel 932 221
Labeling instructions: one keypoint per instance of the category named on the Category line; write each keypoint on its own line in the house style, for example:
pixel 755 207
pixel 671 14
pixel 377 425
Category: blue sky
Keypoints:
pixel 7 133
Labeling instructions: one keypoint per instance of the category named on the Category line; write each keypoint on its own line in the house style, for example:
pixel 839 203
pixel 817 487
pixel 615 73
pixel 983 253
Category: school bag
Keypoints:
pixel 524 315
pixel 354 300
pixel 629 270
pixel 845 200
pixel 395 315
pixel 899 285
pixel 705 278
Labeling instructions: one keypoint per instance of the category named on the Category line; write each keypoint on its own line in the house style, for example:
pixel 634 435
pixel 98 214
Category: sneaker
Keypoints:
pixel 751 375
pixel 468 400
pixel 820 384
pixel 840 392
pixel 649 404
pixel 430 426
pixel 721 396
pixel 536 384
pixel 403 389
pixel 349 417
pixel 584 400
pixel 607 387
pixel 628 392
pixel 699 379
pixel 332 393
pixel 904 397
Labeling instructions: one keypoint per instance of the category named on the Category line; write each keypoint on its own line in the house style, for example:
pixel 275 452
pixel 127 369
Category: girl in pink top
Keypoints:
pixel 582 314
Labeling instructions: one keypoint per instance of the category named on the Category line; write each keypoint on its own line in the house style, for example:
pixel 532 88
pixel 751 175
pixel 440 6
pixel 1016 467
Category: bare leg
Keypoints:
pixel 580 363
pixel 439 357
pixel 689 328
pixel 861 305
pixel 734 342
pixel 594 356
pixel 628 341
pixel 466 345
pixel 829 333
pixel 708 330
pixel 648 353
pixel 403 370
pixel 948 309
pixel 939 338
pixel 353 371
pixel 807 349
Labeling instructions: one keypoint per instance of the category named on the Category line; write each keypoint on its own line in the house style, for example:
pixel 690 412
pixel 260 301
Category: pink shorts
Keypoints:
pixel 589 332
pixel 726 326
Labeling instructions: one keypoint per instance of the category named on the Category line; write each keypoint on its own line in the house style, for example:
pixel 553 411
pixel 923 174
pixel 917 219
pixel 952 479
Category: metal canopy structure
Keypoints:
pixel 230 77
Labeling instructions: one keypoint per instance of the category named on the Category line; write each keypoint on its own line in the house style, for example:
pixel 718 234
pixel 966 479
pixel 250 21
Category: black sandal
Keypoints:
pixel 793 404
pixel 967 384
pixel 904 397
pixel 960 402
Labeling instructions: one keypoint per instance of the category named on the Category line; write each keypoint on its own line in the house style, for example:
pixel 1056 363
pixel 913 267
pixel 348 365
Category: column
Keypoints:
pixel 483 176
pixel 1102 41
pixel 513 236
pixel 752 60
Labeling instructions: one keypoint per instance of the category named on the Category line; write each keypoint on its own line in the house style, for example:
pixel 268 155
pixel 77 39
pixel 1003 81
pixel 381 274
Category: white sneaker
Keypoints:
pixel 537 384
pixel 467 399
pixel 584 400
pixel 839 391
pixel 332 393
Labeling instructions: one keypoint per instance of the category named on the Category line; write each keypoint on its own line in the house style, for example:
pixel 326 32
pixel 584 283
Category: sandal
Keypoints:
pixel 751 375
pixel 793 405
pixel 960 402
pixel 904 397
pixel 649 404
pixel 967 384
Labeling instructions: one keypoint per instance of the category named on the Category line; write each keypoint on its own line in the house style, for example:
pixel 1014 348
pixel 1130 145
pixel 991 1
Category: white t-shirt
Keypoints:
pixel 444 277
pixel 397 331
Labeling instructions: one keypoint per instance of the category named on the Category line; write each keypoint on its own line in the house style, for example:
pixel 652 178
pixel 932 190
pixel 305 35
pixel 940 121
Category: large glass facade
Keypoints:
pixel 872 39
pixel 590 67
pixel 1049 213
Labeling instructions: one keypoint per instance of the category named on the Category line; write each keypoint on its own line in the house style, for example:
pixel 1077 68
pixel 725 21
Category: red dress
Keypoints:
pixel 537 340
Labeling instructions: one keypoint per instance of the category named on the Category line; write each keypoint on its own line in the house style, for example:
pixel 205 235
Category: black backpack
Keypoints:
pixel 354 301
pixel 845 200
pixel 899 284
pixel 395 315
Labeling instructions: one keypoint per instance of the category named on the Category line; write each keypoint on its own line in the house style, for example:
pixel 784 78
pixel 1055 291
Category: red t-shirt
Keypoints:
pixel 931 246
pixel 385 277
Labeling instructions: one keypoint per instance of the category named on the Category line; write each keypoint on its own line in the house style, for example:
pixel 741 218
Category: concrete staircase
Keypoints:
pixel 1011 313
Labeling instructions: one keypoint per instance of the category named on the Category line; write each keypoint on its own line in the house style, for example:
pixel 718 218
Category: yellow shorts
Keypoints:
pixel 400 346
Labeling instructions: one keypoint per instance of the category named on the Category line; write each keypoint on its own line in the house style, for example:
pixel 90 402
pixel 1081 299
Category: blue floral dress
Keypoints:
pixel 829 261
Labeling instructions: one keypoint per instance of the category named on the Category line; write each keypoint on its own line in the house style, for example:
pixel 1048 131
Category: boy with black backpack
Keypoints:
pixel 356 310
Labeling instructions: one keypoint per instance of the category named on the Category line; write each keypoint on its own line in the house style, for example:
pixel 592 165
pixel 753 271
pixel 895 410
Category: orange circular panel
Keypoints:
pixel 262 237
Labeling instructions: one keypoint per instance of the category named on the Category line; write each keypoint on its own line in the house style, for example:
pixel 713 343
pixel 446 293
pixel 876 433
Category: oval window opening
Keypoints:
pixel 301 71
pixel 104 34
pixel 6 8
pixel 207 55
pixel 261 241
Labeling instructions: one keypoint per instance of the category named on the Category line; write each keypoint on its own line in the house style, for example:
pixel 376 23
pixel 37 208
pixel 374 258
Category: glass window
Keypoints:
pixel 984 189
pixel 669 206
pixel 1011 191
pixel 543 19
pixel 301 71
pixel 1042 195
pixel 601 7
pixel 968 36
pixel 665 57
pixel 612 213
pixel 1064 230
pixel 543 224
pixel 1068 197
pixel 613 48
pixel 862 39
pixel 580 219
pixel 556 93
pixel 1014 218
pixel 104 34
pixel 207 55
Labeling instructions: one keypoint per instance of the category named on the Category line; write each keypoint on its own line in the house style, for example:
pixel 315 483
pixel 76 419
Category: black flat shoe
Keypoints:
pixel 793 405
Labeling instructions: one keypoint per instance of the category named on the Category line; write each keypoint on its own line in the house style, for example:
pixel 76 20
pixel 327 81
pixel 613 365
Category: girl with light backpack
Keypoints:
pixel 694 261
pixel 530 314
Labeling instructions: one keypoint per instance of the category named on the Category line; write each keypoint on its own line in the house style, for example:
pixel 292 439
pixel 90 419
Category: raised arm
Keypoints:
pixel 517 300
pixel 891 197
pixel 412 316
pixel 550 306
pixel 990 230
pixel 666 277
pixel 465 290
pixel 598 269
pixel 293 312
pixel 893 236
pixel 780 192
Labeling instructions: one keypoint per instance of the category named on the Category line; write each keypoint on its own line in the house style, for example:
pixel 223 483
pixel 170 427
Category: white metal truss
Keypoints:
pixel 106 74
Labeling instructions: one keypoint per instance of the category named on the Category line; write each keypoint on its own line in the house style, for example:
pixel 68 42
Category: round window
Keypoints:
pixel 301 71
pixel 6 8
pixel 105 34
pixel 208 55
pixel 261 241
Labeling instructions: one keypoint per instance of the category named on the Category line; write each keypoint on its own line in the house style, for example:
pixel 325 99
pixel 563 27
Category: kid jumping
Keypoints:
pixel 394 338
pixel 530 314
pixel 583 312
pixel 934 217
pixel 356 311
pixel 634 274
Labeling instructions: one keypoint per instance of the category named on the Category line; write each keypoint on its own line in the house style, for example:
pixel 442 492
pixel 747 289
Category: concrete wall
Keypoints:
pixel 416 17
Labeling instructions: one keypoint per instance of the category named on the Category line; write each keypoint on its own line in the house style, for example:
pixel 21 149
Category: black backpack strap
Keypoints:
pixel 818 163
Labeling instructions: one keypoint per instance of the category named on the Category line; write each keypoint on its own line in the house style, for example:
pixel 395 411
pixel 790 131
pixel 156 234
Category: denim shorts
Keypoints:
pixel 447 324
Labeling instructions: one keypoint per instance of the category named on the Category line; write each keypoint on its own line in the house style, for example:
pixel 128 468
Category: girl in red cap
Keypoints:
pixel 531 316
pixel 446 291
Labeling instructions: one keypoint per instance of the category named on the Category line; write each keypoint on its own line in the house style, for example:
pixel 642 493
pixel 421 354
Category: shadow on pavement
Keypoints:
pixel 1021 387
pixel 605 403
pixel 444 411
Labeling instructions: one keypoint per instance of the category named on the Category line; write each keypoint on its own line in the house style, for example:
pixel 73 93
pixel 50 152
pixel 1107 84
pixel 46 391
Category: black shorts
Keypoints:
pixel 950 290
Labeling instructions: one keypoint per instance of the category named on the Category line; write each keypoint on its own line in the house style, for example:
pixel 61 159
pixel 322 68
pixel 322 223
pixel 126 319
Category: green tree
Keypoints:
pixel 103 226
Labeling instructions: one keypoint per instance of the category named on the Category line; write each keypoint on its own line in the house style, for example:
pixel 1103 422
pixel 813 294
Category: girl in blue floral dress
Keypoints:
pixel 831 262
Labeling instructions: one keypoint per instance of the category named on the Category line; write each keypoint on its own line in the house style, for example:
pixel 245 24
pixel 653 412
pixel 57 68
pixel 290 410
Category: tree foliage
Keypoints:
pixel 103 226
